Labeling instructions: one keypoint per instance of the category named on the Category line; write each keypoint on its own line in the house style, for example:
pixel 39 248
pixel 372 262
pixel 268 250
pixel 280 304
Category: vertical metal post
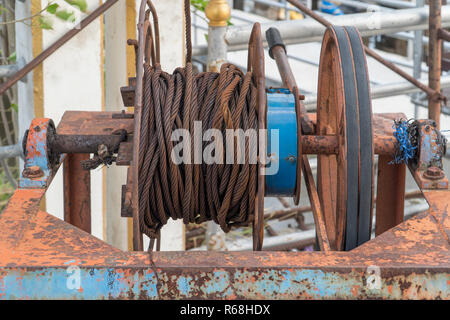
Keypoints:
pixel 218 12
pixel 286 11
pixel 77 192
pixel 417 58
pixel 390 203
pixel 24 53
pixel 434 60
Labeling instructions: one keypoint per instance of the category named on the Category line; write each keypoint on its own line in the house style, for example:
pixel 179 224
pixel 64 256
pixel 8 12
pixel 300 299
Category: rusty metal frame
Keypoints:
pixel 40 253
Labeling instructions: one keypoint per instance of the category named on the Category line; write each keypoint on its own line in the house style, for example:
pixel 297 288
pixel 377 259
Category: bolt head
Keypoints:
pixel 434 173
pixel 33 172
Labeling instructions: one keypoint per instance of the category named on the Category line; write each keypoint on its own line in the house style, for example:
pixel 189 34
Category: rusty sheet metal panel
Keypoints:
pixel 217 283
pixel 44 257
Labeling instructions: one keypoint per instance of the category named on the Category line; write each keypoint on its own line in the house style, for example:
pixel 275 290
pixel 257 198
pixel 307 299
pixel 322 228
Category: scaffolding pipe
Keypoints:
pixel 407 36
pixel 391 3
pixel 8 70
pixel 434 61
pixel 383 91
pixel 309 30
pixel 11 151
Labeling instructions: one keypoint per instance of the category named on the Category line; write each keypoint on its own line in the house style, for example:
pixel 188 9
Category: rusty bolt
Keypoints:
pixel 32 172
pixel 291 159
pixel 433 173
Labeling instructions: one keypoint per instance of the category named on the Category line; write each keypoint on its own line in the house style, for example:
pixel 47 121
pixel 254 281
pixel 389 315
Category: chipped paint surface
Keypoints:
pixel 220 283
pixel 36 154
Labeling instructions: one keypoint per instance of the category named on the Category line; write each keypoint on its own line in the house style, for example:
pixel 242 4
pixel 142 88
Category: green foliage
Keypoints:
pixel 81 4
pixel 66 15
pixel 45 23
pixel 199 4
pixel 15 107
pixel 53 9
pixel 12 57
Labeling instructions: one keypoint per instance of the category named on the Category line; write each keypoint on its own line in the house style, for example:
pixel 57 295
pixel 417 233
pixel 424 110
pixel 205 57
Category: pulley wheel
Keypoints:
pixel 256 66
pixel 345 180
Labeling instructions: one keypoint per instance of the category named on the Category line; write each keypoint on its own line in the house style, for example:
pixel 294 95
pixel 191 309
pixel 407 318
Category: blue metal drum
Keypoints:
pixel 281 143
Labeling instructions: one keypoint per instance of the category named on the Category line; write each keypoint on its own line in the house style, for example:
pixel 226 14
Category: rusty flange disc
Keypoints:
pixel 256 66
pixel 345 180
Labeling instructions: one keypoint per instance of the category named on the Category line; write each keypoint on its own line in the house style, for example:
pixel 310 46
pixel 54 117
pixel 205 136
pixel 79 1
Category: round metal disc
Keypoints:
pixel 343 86
pixel 366 137
pixel 298 181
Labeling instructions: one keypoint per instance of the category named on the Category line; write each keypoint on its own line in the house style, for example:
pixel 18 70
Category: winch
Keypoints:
pixel 345 136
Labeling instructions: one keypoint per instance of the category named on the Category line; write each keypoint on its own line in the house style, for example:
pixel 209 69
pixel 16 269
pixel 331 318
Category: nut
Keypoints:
pixel 433 173
pixel 32 172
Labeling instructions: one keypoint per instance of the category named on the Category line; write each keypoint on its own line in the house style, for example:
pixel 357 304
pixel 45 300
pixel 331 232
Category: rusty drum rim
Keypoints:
pixel 345 180
pixel 256 65
pixel 332 169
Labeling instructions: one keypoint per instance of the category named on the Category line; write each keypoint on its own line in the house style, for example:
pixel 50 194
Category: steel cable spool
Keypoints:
pixel 229 194
pixel 345 180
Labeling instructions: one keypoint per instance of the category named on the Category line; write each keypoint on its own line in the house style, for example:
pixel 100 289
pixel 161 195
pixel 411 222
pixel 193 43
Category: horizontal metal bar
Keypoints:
pixel 246 281
pixel 309 30
pixel 392 3
pixel 408 36
pixel 11 151
pixel 360 5
pixel 383 91
pixel 8 70
pixel 276 5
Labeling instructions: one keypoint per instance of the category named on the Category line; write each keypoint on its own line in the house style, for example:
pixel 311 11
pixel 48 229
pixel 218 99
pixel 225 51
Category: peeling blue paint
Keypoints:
pixel 134 283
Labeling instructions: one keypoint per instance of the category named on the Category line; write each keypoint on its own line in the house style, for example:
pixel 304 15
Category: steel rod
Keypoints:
pixel 8 70
pixel 391 3
pixel 382 91
pixel 11 151
pixel 434 62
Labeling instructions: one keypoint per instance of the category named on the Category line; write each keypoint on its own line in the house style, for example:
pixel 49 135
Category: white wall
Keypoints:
pixel 73 80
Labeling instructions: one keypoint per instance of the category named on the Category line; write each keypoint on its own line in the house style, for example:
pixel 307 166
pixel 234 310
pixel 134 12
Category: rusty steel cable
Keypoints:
pixel 224 193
